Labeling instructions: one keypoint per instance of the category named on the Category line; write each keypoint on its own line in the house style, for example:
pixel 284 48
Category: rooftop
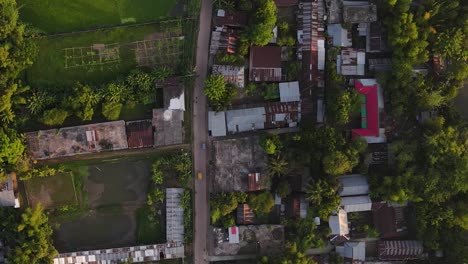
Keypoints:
pixel 70 141
pixel 174 97
pixel 351 62
pixel 7 193
pixel 136 254
pixel 356 203
pixel 168 127
pixel 340 35
pixel 289 92
pixel 339 223
pixel 265 64
pixel 139 134
pixel 359 12
pixel 174 215
pixel 371 106
pixel 230 19
pixel 217 123
pixel 354 184
pixel 352 250
pixel 232 74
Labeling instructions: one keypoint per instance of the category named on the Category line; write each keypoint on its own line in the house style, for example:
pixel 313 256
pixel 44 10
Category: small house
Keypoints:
pixel 340 35
pixel 339 225
pixel 265 64
pixel 359 12
pixel 351 62
pixel 356 203
pixel 352 185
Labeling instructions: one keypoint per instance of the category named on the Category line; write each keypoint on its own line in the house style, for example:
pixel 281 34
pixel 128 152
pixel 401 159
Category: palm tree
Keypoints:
pixel 277 166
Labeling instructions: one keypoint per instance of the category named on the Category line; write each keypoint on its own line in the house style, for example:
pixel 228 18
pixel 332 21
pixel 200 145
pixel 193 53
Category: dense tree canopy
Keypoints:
pixel 261 203
pixel 11 149
pixel 261 22
pixel 28 235
pixel 431 171
pixel 16 54
pixel 219 92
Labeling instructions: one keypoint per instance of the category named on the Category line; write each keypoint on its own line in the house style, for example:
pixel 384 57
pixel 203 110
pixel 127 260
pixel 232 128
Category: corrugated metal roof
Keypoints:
pixel 140 134
pixel 356 203
pixel 339 34
pixel 289 92
pixel 174 215
pixel 217 123
pixel 265 64
pixel 354 184
pixel 399 249
pixel 232 74
pixel 241 120
pixel 339 223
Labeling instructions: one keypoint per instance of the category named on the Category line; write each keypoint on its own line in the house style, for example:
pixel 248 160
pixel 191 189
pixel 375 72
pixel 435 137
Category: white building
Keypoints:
pixel 339 225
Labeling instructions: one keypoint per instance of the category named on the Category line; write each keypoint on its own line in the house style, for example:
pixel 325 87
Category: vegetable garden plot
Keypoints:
pixel 166 50
pixel 98 54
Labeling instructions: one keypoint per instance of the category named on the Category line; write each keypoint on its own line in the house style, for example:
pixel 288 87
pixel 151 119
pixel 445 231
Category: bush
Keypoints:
pixel 111 110
pixel 54 117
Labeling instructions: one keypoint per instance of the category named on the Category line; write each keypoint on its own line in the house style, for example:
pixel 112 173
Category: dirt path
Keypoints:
pixel 115 154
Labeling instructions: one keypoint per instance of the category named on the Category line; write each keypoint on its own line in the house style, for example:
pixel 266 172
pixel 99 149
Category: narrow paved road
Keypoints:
pixel 200 136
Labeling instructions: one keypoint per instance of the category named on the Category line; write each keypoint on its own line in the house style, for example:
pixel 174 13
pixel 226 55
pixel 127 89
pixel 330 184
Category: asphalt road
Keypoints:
pixel 200 136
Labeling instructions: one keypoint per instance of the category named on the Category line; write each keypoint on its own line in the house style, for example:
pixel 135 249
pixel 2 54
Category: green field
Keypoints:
pixel 65 15
pixel 101 56
pixel 52 192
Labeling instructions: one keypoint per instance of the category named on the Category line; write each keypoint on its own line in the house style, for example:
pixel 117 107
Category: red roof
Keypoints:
pixel 372 109
pixel 233 230
pixel 140 134
pixel 265 64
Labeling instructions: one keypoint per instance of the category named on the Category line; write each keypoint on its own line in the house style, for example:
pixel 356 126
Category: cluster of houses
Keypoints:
pixel 353 29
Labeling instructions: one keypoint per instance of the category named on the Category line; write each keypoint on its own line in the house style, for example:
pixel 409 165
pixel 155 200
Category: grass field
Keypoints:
pixel 65 15
pixel 53 67
pixel 52 192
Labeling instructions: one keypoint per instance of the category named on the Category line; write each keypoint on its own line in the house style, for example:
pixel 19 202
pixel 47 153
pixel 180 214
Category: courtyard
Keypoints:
pixel 234 159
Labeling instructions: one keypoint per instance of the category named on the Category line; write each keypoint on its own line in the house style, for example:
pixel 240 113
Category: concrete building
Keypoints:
pixel 71 141
pixel 174 215
pixel 231 74
pixel 265 64
pixel 359 12
pixel 168 127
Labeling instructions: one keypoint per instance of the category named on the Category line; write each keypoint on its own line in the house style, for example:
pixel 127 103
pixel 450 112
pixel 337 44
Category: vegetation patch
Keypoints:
pixel 65 16
pixel 52 192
